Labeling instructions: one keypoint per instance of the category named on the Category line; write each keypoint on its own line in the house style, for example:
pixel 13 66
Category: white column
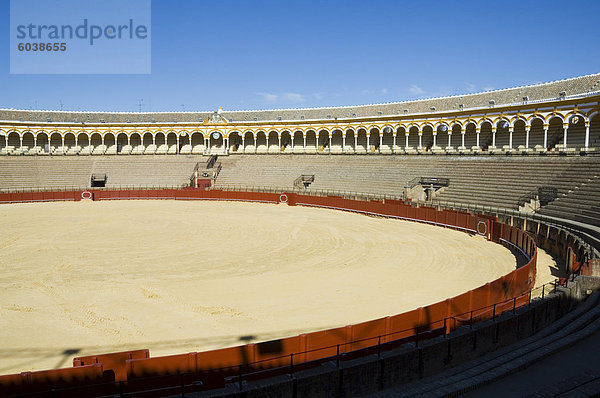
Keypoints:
pixel 462 136
pixel 21 142
pixel 329 146
pixel 76 141
pixel 527 128
pixel 510 136
pixel 256 143
pixel 304 139
pixel 406 143
pixel 587 135
pixel 546 137
pixel 434 139
pixel 565 128
pixel 355 141
pixel 494 137
pixel 103 145
pixel 380 141
pixel 420 140
pixel 478 130
pixel 226 144
pixel 243 143
pixel 177 143
pixel 368 142
pixel 449 138
pixel 279 141
pixel 394 146
pixel 344 142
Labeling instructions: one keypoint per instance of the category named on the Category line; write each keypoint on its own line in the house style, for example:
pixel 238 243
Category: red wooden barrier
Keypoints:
pixel 317 341
pixel 84 381
pixel 433 315
pixel 114 361
pixel 404 325
pixel 223 357
pixel 366 334
pixel 279 350
pixel 460 305
pixel 171 364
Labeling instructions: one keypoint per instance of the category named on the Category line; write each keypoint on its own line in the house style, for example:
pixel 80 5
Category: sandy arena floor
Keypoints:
pixel 96 277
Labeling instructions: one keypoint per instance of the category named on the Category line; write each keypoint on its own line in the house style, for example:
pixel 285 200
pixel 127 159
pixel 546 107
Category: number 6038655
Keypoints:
pixel 42 46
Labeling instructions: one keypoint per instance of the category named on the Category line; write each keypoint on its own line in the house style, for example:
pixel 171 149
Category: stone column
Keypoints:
pixel 527 129
pixel 587 135
pixel 546 137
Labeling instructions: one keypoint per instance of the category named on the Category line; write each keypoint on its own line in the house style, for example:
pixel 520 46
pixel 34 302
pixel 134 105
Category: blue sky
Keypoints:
pixel 278 54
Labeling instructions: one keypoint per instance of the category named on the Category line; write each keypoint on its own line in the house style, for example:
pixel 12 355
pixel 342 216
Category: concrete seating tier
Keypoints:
pixel 483 180
pixel 75 171
pixel 479 180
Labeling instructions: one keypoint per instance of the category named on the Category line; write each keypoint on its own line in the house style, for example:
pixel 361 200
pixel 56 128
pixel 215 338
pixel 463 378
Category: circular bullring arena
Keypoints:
pixel 90 277
pixel 228 295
